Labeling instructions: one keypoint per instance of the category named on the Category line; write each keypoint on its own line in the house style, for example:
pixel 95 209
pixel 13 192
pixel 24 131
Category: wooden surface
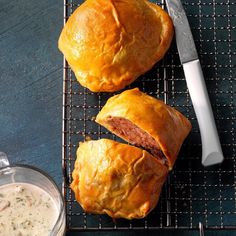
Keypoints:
pixel 31 89
pixel 31 83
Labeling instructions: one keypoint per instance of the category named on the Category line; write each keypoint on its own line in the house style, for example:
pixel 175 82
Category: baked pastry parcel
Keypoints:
pixel 125 181
pixel 120 180
pixel 109 43
pixel 146 122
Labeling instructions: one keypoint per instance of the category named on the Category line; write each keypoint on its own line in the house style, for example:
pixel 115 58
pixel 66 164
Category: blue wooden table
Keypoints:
pixel 31 90
pixel 31 83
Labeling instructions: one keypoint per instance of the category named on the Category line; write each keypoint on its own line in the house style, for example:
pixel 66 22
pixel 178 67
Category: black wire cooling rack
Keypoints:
pixel 192 193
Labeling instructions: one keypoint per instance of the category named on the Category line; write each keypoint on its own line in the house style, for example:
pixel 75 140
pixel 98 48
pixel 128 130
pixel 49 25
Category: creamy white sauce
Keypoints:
pixel 26 210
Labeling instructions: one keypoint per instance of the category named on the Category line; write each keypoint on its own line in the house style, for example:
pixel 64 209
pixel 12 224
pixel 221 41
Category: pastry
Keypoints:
pixel 109 43
pixel 147 122
pixel 117 179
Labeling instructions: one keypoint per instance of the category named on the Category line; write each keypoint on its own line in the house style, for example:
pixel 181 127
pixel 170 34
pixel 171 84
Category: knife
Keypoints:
pixel 211 148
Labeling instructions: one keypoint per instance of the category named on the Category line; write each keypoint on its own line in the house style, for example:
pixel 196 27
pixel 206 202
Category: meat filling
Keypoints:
pixel 136 136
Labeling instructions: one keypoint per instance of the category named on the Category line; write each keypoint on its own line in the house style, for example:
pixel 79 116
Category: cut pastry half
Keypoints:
pixel 146 122
pixel 120 180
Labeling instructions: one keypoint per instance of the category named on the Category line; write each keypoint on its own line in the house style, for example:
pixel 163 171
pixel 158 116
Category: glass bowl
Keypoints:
pixel 31 175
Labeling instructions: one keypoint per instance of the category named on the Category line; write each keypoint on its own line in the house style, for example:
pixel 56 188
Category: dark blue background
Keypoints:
pixel 31 83
pixel 31 89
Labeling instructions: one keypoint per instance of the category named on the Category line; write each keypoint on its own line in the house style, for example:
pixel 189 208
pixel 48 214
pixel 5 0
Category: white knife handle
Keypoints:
pixel 211 148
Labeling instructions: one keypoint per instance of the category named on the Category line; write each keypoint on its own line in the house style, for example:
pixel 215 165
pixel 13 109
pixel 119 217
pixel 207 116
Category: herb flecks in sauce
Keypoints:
pixel 26 210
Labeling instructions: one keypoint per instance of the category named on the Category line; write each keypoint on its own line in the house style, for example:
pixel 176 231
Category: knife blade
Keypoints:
pixel 211 148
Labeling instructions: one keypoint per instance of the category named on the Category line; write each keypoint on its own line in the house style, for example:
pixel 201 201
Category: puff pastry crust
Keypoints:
pixel 109 43
pixel 162 126
pixel 117 179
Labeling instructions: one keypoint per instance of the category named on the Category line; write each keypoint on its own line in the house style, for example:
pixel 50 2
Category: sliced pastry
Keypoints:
pixel 147 122
pixel 120 180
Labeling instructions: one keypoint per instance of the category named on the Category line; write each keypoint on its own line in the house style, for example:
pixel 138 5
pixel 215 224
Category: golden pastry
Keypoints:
pixel 147 122
pixel 109 43
pixel 117 179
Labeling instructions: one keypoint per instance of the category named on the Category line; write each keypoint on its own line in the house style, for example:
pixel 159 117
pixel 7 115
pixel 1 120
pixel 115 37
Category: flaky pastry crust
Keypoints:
pixel 164 124
pixel 109 43
pixel 117 179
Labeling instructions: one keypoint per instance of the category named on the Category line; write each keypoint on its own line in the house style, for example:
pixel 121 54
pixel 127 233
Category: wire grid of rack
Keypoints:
pixel 192 194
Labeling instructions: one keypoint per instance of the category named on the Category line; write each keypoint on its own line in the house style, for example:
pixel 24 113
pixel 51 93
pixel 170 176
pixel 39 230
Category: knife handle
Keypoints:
pixel 211 148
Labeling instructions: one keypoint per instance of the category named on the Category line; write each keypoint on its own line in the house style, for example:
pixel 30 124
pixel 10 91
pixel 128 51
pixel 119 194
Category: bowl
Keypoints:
pixel 24 174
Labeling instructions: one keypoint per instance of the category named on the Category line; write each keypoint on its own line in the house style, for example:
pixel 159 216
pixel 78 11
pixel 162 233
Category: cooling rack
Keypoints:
pixel 192 194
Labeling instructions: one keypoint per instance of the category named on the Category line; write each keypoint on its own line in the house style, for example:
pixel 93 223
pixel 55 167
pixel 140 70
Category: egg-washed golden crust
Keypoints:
pixel 117 179
pixel 166 125
pixel 109 43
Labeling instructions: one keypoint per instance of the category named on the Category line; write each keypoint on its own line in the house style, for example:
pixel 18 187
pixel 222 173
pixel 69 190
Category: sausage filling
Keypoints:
pixel 136 136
